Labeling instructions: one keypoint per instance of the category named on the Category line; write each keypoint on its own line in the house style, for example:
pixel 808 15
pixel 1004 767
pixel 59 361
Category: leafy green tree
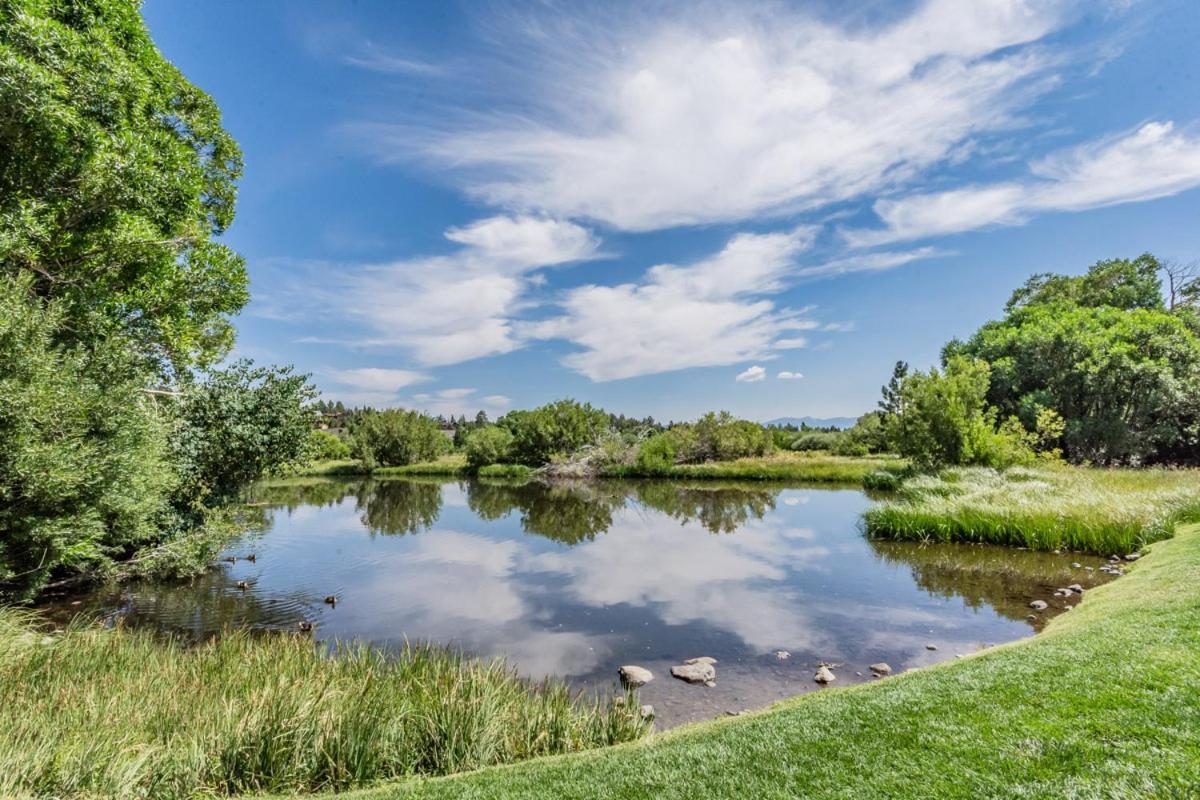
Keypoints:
pixel 892 402
pixel 236 425
pixel 657 453
pixel 555 430
pixel 115 178
pixel 946 420
pixel 866 436
pixel 490 444
pixel 83 450
pixel 1104 353
pixel 394 438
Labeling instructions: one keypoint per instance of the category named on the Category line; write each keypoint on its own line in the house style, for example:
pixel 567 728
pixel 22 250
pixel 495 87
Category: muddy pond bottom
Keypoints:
pixel 576 580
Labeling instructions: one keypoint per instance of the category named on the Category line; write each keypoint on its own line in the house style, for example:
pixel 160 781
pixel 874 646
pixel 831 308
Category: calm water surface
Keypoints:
pixel 575 580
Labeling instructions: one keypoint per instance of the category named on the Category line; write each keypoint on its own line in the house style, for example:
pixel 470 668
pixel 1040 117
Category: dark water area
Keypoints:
pixel 575 580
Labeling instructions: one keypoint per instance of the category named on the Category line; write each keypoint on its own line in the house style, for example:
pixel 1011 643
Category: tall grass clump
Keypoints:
pixel 1093 510
pixel 114 713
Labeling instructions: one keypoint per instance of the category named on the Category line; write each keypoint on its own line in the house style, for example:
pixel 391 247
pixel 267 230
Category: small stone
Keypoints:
pixel 1031 617
pixel 1075 565
pixel 882 668
pixel 634 676
pixel 859 674
pixel 695 673
pixel 1076 588
pixel 824 675
pixel 1039 605
pixel 1133 556
pixel 1114 559
pixel 931 647
pixel 782 655
pixel 1058 552
pixel 1062 592
pixel 647 711
pixel 701 660
pixel 1090 569
pixel 710 684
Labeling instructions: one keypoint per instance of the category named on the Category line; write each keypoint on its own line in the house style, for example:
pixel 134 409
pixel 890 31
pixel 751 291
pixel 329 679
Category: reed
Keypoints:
pixel 1104 511
pixel 91 712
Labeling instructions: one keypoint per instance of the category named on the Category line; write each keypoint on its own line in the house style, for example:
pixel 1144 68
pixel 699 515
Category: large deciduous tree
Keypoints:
pixel 115 177
pixel 1104 351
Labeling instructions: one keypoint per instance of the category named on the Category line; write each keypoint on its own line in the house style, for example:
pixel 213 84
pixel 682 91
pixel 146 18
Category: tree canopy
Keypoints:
pixel 115 178
pixel 1104 351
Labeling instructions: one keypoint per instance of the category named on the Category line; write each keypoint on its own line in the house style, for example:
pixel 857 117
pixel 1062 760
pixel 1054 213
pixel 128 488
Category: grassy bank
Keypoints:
pixel 116 714
pixel 781 466
pixel 1093 510
pixel 1101 705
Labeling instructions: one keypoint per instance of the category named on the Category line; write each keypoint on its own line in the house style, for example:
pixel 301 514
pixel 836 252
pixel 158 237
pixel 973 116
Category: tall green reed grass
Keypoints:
pixel 122 714
pixel 1104 511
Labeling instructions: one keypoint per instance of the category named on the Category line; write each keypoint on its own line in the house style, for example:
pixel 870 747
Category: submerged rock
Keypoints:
pixel 824 675
pixel 1133 556
pixel 699 672
pixel 931 647
pixel 634 676
pixel 782 655
pixel 1039 605
pixel 647 711
pixel 1076 588
pixel 882 668
pixel 702 660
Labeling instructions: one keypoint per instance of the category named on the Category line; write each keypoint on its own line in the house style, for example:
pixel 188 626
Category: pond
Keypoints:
pixel 577 579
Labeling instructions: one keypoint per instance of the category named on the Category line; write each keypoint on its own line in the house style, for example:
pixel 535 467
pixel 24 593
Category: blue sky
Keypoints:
pixel 666 208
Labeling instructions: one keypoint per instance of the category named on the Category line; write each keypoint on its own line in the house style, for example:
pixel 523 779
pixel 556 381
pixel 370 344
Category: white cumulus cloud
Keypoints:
pixel 751 375
pixel 789 376
pixel 710 313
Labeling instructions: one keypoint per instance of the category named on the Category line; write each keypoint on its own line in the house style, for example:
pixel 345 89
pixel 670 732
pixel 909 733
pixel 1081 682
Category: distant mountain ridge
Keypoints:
pixel 814 422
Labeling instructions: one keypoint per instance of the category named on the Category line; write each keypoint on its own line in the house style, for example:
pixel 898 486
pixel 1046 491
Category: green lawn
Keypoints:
pixel 1104 704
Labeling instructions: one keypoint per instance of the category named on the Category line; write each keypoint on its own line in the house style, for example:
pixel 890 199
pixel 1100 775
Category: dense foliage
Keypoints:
pixel 115 179
pixel 235 426
pixel 1105 353
pixel 555 430
pixel 325 446
pixel 394 438
pixel 115 175
pixel 490 444
pixel 1096 367
pixel 83 451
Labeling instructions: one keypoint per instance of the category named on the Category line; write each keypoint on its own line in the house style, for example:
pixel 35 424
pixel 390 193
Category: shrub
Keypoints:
pixel 237 425
pixel 325 446
pixel 488 445
pixel 945 420
pixel 720 437
pixel 558 429
pixel 816 440
pixel 657 454
pixel 83 453
pixel 395 438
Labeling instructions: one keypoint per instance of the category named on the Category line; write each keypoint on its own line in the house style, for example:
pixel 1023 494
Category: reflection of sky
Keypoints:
pixel 649 590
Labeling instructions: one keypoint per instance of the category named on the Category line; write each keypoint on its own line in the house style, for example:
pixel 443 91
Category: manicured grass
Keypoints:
pixel 1094 510
pixel 781 466
pixel 117 714
pixel 1103 704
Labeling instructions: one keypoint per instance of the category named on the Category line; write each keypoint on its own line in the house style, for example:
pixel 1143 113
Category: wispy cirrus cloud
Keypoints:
pixel 724 114
pixel 1156 160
